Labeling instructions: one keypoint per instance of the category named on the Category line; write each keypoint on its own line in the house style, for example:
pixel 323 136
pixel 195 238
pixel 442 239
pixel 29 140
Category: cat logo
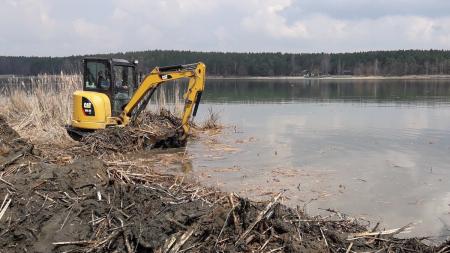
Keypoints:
pixel 166 76
pixel 88 108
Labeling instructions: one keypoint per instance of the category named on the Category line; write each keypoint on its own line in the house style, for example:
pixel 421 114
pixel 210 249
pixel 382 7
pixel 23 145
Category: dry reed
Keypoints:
pixel 170 98
pixel 212 121
pixel 39 107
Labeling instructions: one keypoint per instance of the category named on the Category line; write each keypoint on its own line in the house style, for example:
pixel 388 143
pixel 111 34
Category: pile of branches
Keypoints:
pixel 149 130
pixel 91 206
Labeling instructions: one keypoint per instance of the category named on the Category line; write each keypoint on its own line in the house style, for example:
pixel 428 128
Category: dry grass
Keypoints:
pixel 212 121
pixel 170 99
pixel 39 107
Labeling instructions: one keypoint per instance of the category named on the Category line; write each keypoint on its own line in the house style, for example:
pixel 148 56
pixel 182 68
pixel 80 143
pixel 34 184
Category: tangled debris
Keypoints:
pixel 150 130
pixel 104 206
pixel 90 206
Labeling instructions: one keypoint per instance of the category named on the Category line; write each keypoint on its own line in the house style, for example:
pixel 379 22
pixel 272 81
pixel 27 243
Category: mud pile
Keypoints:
pixel 150 130
pixel 12 147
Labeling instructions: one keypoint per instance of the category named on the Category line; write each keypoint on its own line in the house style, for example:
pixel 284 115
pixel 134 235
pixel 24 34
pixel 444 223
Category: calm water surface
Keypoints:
pixel 373 149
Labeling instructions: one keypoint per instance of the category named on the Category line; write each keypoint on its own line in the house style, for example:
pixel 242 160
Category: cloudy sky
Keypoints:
pixel 67 27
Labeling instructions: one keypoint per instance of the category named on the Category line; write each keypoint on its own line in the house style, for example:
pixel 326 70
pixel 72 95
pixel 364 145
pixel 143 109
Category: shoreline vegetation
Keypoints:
pixel 15 79
pixel 334 77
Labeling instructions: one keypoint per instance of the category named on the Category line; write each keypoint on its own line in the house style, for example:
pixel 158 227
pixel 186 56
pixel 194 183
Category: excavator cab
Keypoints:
pixel 116 78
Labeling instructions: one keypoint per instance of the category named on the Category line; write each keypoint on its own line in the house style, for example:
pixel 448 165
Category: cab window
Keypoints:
pixel 97 76
pixel 123 78
pixel 123 87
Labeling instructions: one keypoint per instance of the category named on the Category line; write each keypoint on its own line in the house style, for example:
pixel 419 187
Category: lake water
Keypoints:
pixel 378 150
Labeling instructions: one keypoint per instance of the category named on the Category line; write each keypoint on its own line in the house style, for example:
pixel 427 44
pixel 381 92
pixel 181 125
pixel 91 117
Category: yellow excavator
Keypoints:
pixel 111 96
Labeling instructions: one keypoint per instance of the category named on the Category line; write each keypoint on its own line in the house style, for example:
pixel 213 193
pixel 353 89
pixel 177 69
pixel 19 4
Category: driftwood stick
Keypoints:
pixel 183 238
pixel 15 157
pixel 235 219
pixel 11 160
pixel 224 225
pixel 324 238
pixel 258 219
pixel 4 200
pixel 127 243
pixel 7 183
pixel 265 244
pixel 386 232
pixel 72 243
pixel 349 248
pixel 444 249
pixel 2 212
pixel 168 244
pixel 277 249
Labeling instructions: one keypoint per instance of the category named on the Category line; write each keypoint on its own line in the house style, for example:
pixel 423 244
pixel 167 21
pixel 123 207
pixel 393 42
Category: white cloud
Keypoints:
pixel 95 35
pixel 49 27
pixel 267 19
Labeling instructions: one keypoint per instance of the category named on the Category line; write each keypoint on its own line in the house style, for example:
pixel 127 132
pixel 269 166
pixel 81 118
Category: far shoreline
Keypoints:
pixel 409 77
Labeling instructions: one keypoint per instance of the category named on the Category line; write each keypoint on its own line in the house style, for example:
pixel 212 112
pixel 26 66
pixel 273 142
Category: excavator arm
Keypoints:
pixel 196 74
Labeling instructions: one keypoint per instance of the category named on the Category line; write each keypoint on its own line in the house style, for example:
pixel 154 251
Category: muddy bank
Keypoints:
pixel 91 205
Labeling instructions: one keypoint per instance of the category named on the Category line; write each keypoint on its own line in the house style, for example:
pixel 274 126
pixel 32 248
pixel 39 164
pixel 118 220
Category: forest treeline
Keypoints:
pixel 385 63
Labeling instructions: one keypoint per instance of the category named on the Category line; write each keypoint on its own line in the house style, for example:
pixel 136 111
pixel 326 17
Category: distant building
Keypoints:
pixel 306 73
pixel 347 72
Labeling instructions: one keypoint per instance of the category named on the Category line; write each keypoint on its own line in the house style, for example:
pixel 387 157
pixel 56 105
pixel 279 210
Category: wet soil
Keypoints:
pixel 92 205
pixel 12 147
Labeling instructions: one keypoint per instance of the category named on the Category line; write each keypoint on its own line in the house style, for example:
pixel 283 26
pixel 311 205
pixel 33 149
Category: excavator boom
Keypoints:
pixel 195 73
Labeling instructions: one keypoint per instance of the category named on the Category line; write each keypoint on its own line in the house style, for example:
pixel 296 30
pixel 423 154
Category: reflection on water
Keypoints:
pixel 255 91
pixel 373 149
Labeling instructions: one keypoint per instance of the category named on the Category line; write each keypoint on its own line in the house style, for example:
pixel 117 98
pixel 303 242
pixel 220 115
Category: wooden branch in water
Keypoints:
pixel 386 232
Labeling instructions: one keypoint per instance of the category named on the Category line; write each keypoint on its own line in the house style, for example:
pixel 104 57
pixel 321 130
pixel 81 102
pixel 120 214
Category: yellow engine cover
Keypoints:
pixel 91 110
